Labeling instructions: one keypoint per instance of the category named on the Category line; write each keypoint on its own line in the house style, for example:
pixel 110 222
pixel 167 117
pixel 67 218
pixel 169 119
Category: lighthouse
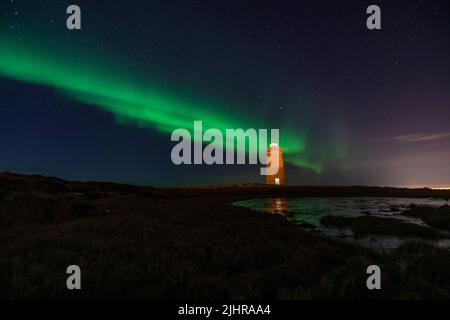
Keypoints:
pixel 279 177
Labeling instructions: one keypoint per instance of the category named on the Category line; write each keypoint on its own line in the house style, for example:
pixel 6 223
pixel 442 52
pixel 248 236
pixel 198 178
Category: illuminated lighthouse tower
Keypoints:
pixel 278 178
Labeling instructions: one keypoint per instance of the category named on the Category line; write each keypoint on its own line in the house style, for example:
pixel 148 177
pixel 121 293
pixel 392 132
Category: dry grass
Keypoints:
pixel 133 242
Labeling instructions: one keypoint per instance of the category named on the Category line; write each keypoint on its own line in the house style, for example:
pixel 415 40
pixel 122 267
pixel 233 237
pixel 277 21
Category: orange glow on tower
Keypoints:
pixel 279 177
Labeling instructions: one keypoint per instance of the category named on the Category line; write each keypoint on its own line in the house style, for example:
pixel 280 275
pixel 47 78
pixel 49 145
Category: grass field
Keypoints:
pixel 191 243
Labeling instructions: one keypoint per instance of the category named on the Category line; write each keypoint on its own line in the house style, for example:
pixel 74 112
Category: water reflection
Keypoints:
pixel 277 206
pixel 308 212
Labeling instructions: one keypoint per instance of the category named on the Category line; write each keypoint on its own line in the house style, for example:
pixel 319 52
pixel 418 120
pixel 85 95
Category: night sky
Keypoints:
pixel 353 106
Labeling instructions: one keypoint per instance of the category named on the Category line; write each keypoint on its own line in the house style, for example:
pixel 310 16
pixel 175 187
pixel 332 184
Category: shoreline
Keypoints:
pixel 152 243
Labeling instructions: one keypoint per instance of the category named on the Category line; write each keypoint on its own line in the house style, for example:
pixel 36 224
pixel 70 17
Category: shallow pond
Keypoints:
pixel 309 211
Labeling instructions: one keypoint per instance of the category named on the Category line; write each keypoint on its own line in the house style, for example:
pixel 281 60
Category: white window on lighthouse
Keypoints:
pixel 277 181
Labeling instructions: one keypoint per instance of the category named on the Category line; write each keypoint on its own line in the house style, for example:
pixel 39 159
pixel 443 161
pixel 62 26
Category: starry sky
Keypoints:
pixel 353 106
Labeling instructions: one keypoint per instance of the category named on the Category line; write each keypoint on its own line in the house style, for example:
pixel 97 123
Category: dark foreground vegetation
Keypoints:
pixel 435 217
pixel 136 242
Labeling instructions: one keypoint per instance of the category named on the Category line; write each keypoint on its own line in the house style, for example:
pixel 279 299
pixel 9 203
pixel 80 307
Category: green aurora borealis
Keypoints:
pixel 132 101
pixel 353 106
